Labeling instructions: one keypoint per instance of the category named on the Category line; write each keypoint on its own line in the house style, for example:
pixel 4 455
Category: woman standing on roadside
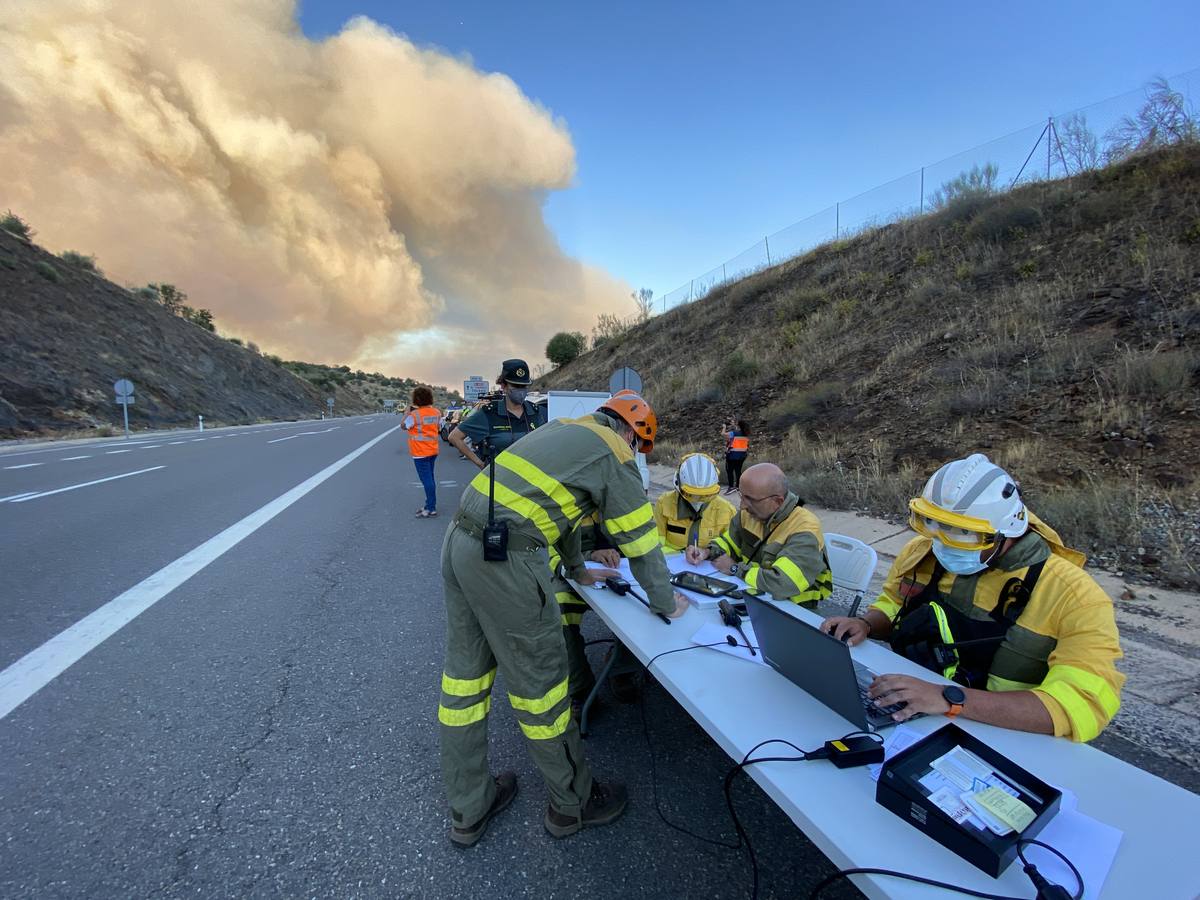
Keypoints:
pixel 737 447
pixel 422 423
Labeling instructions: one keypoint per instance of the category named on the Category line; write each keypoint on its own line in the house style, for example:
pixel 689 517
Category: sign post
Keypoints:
pixel 329 403
pixel 124 390
pixel 625 379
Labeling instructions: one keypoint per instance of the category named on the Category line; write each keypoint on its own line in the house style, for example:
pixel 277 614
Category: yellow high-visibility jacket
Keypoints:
pixel 678 525
pixel 790 564
pixel 1064 646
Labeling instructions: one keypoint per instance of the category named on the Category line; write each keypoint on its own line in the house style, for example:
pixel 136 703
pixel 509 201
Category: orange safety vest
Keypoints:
pixel 423 436
pixel 739 444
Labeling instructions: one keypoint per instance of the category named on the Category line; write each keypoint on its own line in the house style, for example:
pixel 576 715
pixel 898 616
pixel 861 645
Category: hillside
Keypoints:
pixel 1055 327
pixel 67 333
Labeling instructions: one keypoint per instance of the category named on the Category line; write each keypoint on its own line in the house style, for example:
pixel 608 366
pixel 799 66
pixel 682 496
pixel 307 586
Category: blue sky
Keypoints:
pixel 700 127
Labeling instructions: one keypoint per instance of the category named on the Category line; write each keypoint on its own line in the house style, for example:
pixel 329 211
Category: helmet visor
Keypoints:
pixel 952 529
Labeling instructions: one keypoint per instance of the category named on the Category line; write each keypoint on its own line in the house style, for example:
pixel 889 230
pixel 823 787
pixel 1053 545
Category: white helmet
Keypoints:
pixel 968 503
pixel 696 478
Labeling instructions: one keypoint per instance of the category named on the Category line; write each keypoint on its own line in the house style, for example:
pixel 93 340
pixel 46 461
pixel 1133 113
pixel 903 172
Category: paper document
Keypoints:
pixel 901 738
pixel 623 568
pixel 1091 845
pixel 716 634
pixel 677 563
pixel 962 767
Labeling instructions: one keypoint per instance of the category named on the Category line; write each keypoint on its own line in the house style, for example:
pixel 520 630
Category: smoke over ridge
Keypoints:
pixel 358 199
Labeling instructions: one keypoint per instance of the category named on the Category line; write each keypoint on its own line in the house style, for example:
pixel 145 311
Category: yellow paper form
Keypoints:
pixel 1013 812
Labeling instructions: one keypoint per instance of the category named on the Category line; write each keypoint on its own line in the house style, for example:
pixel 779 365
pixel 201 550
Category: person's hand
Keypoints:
pixel 694 554
pixel 591 576
pixel 681 606
pixel 610 558
pixel 852 631
pixel 723 563
pixel 919 696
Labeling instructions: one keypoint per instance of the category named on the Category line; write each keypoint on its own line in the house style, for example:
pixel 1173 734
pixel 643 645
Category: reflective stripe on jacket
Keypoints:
pixel 1063 647
pixel 423 432
pixel 790 564
pixel 550 480
pixel 679 527
pixel 738 443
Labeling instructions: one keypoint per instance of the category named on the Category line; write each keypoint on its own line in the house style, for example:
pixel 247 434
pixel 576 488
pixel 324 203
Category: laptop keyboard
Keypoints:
pixel 864 677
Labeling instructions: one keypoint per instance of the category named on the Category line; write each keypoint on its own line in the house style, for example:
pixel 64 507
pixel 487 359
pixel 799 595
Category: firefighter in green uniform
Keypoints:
pixel 595 545
pixel 501 611
pixel 496 425
pixel 774 544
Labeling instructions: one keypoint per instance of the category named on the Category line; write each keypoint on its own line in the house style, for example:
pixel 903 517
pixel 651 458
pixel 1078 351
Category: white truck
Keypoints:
pixel 572 404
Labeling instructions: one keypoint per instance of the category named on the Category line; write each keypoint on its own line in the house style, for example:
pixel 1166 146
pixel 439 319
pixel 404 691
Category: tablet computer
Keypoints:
pixel 703 584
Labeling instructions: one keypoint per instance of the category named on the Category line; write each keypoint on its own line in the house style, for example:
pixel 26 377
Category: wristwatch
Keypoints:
pixel 735 570
pixel 956 697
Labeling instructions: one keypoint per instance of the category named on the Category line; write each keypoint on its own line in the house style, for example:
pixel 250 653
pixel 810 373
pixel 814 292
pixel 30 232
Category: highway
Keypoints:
pixel 220 656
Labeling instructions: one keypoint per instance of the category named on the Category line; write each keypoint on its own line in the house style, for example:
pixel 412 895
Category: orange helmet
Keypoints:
pixel 637 414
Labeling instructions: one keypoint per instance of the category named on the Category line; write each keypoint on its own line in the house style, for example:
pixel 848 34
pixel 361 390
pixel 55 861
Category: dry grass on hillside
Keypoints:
pixel 1056 328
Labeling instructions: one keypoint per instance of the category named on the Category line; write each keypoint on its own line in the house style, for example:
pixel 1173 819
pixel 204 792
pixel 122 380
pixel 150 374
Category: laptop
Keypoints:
pixel 817 663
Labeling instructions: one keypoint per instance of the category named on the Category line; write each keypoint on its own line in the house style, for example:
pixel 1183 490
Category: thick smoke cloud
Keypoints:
pixel 357 200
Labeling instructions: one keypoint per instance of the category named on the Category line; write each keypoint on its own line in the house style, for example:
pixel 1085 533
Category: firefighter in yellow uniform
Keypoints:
pixel 501 611
pixel 694 514
pixel 983 569
pixel 774 544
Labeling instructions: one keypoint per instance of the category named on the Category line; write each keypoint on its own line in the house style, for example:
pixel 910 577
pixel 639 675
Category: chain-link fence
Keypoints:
pixel 1086 138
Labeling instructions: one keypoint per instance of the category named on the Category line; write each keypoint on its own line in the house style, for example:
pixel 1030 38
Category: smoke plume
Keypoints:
pixel 356 200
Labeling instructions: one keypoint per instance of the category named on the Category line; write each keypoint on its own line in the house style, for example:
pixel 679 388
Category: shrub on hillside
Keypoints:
pixel 1004 221
pixel 80 261
pixel 978 182
pixel 14 224
pixel 737 368
pixel 47 271
pixel 805 407
pixel 565 347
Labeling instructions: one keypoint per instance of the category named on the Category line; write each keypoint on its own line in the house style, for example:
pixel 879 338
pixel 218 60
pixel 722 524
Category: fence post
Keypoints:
pixel 767 244
pixel 922 189
pixel 1049 130
pixel 724 277
pixel 692 291
pixel 837 221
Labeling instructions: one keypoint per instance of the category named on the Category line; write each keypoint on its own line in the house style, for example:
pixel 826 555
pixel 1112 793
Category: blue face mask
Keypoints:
pixel 958 562
pixel 517 394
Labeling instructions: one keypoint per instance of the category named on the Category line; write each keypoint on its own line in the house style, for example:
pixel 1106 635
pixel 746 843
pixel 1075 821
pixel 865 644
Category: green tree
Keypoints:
pixel 565 346
pixel 170 297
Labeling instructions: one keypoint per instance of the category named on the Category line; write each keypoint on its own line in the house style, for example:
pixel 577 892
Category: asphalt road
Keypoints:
pixel 267 726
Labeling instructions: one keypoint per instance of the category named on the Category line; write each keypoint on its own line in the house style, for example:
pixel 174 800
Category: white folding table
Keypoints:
pixel 740 704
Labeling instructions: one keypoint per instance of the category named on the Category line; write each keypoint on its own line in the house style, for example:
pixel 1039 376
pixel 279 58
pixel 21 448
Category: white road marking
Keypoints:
pixel 198 440
pixel 151 446
pixel 173 443
pixel 39 667
pixel 448 483
pixel 302 433
pixel 69 458
pixel 24 466
pixel 15 496
pixel 111 452
pixel 37 495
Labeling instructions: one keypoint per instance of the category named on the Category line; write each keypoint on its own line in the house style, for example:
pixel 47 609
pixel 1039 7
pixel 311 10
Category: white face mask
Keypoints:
pixel 958 562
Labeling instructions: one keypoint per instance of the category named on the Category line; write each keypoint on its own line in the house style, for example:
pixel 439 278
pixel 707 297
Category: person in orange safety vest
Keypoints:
pixel 422 423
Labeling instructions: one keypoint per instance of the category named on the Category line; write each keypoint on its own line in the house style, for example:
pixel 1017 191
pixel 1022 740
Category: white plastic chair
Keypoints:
pixel 852 564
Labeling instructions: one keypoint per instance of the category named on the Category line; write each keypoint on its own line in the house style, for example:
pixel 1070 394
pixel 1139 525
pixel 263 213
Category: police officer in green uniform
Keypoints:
pixel 496 425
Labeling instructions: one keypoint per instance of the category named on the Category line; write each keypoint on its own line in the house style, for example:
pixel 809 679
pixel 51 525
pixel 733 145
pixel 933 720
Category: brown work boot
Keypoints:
pixel 506 789
pixel 605 805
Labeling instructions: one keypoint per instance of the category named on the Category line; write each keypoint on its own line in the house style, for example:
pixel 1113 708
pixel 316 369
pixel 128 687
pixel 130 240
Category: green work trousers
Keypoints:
pixel 571 607
pixel 504 614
